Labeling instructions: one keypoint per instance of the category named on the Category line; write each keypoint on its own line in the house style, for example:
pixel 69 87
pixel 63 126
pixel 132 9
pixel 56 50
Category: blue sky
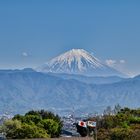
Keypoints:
pixel 34 31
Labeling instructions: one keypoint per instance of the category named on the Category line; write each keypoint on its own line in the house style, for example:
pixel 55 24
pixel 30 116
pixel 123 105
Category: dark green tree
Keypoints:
pixel 34 124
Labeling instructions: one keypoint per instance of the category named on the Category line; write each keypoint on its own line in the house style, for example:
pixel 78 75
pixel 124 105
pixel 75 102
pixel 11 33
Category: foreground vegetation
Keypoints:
pixel 34 124
pixel 119 124
pixel 124 125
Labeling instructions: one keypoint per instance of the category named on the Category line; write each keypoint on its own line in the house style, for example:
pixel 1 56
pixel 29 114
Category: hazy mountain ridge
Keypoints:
pixel 26 89
pixel 89 79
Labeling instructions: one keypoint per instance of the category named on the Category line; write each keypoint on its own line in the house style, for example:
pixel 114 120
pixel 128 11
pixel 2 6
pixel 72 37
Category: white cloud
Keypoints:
pixel 122 61
pixel 25 54
pixel 115 63
pixel 110 62
pixel 119 65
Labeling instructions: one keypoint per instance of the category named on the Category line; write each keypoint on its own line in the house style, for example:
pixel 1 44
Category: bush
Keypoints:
pixel 31 131
pixel 124 125
pixel 10 128
pixel 121 134
pixel 34 124
pixel 51 126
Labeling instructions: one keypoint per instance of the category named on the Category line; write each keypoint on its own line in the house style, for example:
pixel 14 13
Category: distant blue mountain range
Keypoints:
pixel 23 90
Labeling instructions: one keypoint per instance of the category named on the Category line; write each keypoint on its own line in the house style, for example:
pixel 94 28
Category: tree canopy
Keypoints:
pixel 34 124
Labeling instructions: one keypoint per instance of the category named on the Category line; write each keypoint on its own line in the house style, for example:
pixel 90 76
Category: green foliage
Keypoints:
pixel 108 121
pixel 10 128
pixel 51 126
pixel 124 125
pixel 44 115
pixel 34 124
pixel 135 120
pixel 121 134
pixel 103 134
pixel 31 131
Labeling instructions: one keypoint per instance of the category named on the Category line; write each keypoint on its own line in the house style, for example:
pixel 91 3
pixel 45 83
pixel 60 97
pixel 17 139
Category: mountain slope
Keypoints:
pixel 24 90
pixel 126 93
pixel 78 61
pixel 89 79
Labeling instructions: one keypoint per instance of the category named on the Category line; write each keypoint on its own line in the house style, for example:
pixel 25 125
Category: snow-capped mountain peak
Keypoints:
pixel 77 61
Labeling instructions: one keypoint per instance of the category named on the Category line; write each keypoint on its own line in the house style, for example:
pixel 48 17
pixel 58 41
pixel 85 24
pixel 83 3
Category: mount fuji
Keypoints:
pixel 78 61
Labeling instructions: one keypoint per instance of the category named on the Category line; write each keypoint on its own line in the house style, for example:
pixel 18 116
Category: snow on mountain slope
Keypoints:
pixel 78 61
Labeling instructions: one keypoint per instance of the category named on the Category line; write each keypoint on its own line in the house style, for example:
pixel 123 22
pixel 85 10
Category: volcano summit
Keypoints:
pixel 78 61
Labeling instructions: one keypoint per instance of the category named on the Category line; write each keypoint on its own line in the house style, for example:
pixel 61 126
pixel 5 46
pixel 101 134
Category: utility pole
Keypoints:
pixel 96 133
